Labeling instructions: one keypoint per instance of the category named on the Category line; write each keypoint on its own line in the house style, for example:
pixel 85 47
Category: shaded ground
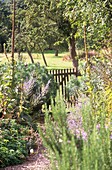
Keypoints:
pixel 37 161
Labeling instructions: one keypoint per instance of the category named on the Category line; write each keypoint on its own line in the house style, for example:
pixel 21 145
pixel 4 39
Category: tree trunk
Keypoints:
pixel 19 49
pixel 2 47
pixel 43 56
pixel 13 32
pixel 44 59
pixel 73 54
pixel 29 53
pixel 56 52
pixel 19 56
pixel 85 45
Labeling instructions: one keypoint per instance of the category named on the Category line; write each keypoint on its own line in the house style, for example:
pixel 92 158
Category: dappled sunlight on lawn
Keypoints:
pixel 54 62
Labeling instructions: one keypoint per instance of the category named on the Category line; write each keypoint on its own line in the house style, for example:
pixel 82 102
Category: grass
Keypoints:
pixel 54 62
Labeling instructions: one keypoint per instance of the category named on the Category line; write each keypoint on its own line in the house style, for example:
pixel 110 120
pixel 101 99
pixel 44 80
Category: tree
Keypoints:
pixel 30 36
pixel 55 11
pixel 5 23
pixel 42 20
pixel 95 16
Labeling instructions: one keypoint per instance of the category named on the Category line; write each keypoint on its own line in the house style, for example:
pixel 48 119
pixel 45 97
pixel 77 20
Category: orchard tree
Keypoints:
pixel 94 24
pixel 22 34
pixel 31 33
pixel 38 29
pixel 43 16
pixel 43 31
pixel 68 16
pixel 96 17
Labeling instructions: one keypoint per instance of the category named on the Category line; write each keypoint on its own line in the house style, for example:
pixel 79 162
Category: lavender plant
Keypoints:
pixel 75 141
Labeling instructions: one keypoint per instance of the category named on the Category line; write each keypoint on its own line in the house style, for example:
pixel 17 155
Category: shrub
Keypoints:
pixel 14 142
pixel 76 86
pixel 32 87
pixel 80 143
pixel 97 85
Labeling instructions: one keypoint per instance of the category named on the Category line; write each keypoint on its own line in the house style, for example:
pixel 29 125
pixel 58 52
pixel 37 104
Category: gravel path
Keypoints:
pixel 34 162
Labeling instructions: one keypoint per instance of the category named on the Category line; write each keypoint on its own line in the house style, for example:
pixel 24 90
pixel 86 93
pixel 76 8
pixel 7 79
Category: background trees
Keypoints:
pixel 42 25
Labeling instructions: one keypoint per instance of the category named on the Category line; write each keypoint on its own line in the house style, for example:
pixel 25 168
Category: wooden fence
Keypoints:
pixel 62 76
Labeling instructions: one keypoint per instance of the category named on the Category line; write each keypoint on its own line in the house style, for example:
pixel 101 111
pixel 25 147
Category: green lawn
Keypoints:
pixel 52 61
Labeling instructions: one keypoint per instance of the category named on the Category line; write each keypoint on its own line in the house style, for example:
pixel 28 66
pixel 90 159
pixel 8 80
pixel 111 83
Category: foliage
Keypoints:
pixel 29 84
pixel 96 16
pixel 104 82
pixel 5 23
pixel 85 140
pixel 86 144
pixel 34 34
pixel 52 135
pixel 43 24
pixel 76 86
pixel 97 84
pixel 77 142
pixel 14 140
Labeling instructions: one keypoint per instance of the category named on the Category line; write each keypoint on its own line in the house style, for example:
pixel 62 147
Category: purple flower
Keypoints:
pixel 28 86
pixel 84 135
pixel 77 133
pixel 111 136
pixel 98 126
pixel 75 124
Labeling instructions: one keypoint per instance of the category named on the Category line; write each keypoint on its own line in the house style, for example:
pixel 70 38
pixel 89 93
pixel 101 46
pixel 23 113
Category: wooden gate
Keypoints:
pixel 62 76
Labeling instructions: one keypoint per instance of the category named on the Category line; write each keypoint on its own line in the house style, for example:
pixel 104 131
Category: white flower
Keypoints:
pixel 16 90
pixel 4 113
pixel 11 150
pixel 31 151
pixel 60 140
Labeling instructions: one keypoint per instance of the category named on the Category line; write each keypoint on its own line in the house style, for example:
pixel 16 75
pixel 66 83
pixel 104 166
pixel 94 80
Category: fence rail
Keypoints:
pixel 62 76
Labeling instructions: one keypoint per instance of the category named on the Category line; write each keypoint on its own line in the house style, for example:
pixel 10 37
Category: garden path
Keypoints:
pixel 34 162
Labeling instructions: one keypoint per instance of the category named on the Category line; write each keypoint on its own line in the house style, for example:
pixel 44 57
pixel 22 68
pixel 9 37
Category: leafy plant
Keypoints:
pixel 29 90
pixel 76 86
pixel 97 84
pixel 14 142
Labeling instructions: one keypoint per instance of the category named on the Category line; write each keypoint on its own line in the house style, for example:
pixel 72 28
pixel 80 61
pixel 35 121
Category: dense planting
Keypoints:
pixel 20 105
pixel 78 140
pixel 82 139
pixel 15 142
pixel 31 89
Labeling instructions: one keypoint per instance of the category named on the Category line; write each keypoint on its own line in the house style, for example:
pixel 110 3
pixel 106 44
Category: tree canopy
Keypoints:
pixel 47 24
